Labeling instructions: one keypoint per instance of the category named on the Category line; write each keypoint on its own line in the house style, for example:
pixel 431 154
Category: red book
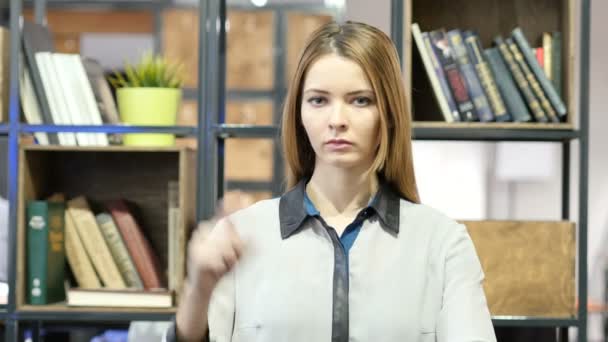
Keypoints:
pixel 145 260
pixel 540 56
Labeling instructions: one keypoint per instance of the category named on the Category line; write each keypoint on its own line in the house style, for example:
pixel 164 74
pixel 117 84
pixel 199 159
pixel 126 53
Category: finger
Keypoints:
pixel 234 238
pixel 230 258
pixel 219 267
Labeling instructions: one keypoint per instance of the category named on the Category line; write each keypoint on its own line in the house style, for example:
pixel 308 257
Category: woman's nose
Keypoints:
pixel 337 118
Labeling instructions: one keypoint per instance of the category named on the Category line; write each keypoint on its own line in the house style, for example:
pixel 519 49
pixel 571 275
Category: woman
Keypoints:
pixel 348 253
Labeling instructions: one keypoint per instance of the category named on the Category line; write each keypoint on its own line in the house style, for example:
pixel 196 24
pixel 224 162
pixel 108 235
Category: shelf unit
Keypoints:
pixel 211 134
pixel 534 17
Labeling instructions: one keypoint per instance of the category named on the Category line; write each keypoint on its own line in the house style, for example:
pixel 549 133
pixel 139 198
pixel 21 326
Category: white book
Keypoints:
pixel 88 97
pixel 69 94
pixel 45 66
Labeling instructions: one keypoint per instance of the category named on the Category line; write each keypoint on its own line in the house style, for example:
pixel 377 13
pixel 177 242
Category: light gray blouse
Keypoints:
pixel 412 274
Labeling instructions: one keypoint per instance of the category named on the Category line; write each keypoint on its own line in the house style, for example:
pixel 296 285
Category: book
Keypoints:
pixel 113 298
pixel 473 45
pixel 539 53
pixel 432 76
pixel 480 101
pixel 78 260
pixel 53 92
pixel 176 239
pixel 145 259
pixel 532 80
pixel 37 38
pixel 453 75
pixel 556 61
pixel 29 102
pixel 119 250
pixel 546 86
pixel 445 87
pixel 4 72
pixel 516 106
pixel 45 251
pixel 101 90
pixel 547 45
pixel 520 80
pixel 94 243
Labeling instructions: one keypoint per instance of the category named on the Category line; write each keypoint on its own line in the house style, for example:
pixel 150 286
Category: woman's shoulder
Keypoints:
pixel 266 207
pixel 431 220
pixel 259 219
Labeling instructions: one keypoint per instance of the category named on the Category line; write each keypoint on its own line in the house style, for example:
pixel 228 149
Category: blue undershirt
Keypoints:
pixel 348 237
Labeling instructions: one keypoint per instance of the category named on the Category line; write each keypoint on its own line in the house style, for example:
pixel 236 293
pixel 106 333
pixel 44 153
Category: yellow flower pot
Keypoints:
pixel 149 107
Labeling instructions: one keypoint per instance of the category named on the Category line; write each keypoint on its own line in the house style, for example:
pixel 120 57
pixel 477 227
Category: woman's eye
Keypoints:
pixel 362 101
pixel 316 101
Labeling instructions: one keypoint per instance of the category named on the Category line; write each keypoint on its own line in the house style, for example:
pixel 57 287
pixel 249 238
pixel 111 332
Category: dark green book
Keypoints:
pixel 556 61
pixel 45 252
pixel 545 86
pixel 516 106
pixel 488 83
pixel 532 80
pixel 520 79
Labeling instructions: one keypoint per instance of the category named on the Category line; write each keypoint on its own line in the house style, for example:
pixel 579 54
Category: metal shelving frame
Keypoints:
pixel 211 133
pixel 565 138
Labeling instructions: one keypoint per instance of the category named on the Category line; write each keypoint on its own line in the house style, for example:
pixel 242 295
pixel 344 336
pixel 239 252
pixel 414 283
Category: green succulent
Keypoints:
pixel 151 71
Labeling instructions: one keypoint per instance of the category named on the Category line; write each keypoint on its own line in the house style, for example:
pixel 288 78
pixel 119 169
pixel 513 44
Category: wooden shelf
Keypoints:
pixel 517 321
pixel 118 129
pixel 493 131
pixel 137 174
pixel 59 312
pixel 117 148
pixel 499 18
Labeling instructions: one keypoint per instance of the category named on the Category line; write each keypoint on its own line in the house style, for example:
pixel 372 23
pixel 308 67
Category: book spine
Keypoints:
pixel 475 90
pixel 556 61
pixel 79 261
pixel 56 252
pixel 41 96
pixel 119 250
pixel 4 73
pixel 536 88
pixel 547 56
pixel 445 88
pixel 430 72
pixel 545 84
pixel 520 80
pixel 144 258
pixel 94 243
pixel 453 76
pixel 540 57
pixel 37 246
pixel 487 79
pixel 515 104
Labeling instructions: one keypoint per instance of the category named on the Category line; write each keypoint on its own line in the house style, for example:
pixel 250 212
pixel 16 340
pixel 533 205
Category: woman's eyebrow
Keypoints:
pixel 350 93
pixel 314 90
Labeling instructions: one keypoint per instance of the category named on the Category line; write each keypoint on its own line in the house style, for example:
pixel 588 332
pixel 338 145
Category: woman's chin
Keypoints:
pixel 346 162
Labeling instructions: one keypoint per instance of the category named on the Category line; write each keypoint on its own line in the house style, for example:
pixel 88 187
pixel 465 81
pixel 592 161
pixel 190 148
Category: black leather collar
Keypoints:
pixel 292 211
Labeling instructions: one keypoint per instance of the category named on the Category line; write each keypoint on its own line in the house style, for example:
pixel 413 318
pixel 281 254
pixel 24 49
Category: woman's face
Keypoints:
pixel 339 113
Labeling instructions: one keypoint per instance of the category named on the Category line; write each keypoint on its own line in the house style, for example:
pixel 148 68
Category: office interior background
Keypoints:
pixel 466 180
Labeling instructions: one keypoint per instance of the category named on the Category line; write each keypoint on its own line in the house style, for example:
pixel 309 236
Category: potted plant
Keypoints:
pixel 149 94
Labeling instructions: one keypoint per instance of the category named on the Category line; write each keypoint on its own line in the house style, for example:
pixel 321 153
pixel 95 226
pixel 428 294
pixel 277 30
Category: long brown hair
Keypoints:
pixel 376 55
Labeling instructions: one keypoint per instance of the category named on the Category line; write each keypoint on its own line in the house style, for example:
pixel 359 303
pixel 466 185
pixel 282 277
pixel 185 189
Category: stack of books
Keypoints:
pixel 63 89
pixel 110 258
pixel 508 82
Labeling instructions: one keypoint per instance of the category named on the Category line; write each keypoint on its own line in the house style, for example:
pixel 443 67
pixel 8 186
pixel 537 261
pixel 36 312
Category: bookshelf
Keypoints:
pixel 211 132
pixel 501 17
pixel 534 18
